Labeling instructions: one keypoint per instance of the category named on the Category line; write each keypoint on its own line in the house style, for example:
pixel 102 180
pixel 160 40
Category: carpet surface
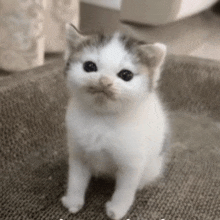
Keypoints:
pixel 33 153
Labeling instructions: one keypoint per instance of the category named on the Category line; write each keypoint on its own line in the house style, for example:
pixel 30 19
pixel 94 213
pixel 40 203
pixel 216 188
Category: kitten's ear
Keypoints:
pixel 154 54
pixel 73 35
pixel 73 38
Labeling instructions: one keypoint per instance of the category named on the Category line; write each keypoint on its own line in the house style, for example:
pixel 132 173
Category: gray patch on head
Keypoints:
pixel 94 41
pixel 131 46
pixel 98 40
pixel 130 43
pixel 102 39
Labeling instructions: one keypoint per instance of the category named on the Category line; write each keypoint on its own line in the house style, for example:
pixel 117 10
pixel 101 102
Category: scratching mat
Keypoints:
pixel 33 153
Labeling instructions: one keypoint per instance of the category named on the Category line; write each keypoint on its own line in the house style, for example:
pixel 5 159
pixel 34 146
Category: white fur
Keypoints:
pixel 122 138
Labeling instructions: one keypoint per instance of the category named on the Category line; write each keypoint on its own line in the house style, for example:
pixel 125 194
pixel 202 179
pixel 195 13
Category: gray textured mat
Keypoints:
pixel 33 155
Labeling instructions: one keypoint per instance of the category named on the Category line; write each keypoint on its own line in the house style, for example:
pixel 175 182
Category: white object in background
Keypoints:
pixel 57 14
pixel 21 34
pixel 112 4
pixel 156 12
pixel 189 7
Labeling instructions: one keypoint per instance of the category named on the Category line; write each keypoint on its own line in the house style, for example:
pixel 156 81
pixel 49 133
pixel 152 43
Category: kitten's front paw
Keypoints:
pixel 73 204
pixel 115 211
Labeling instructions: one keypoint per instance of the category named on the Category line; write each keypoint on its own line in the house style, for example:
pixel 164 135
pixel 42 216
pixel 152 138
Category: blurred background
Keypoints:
pixel 32 32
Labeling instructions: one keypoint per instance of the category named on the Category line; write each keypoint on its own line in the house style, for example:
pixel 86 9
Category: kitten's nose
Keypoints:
pixel 105 81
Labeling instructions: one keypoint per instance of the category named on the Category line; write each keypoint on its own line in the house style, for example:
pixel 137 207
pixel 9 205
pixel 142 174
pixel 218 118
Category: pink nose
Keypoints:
pixel 105 81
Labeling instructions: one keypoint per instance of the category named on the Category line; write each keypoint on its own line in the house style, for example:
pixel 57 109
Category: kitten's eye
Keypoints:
pixel 126 75
pixel 89 66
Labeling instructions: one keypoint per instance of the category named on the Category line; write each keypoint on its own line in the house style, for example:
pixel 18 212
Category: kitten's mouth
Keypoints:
pixel 102 92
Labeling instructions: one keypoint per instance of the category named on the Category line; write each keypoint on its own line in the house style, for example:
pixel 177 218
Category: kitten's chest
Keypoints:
pixel 91 133
pixel 100 162
pixel 94 137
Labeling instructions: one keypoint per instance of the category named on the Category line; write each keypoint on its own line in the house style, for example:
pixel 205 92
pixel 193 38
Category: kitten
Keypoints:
pixel 116 124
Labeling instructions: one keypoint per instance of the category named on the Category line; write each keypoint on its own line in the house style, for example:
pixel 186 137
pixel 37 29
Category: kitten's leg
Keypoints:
pixel 127 182
pixel 78 179
pixel 153 170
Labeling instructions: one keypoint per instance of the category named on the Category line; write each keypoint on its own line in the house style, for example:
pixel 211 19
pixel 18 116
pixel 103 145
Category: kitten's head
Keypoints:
pixel 111 73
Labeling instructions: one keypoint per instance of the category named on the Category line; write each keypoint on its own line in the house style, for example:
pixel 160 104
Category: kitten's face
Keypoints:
pixel 104 74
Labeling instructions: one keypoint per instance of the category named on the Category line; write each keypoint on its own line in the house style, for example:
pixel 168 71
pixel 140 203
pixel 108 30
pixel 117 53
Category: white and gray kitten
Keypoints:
pixel 116 124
